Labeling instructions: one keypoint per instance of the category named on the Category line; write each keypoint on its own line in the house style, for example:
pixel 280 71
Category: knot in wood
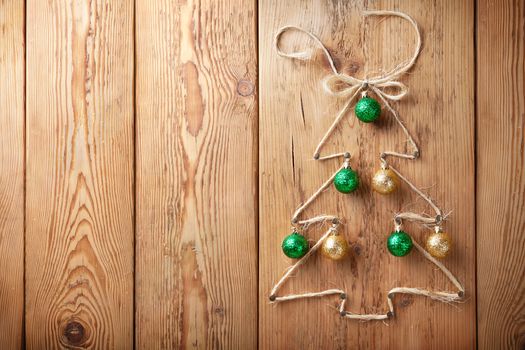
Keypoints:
pixel 406 301
pixel 74 332
pixel 245 87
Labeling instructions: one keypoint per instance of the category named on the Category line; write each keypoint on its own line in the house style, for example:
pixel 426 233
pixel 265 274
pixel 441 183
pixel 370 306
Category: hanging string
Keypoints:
pixel 349 87
pixel 343 85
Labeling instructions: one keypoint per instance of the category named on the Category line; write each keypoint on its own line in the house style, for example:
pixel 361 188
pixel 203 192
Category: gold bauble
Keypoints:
pixel 439 244
pixel 385 181
pixel 335 247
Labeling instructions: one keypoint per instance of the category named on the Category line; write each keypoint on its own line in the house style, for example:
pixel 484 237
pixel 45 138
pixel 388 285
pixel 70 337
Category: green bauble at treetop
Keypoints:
pixel 295 246
pixel 399 243
pixel 346 180
pixel 367 110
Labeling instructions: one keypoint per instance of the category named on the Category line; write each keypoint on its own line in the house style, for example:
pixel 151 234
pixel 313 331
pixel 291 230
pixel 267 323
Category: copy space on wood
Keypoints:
pixel 11 173
pixel 79 238
pixel 295 113
pixel 196 248
pixel 501 174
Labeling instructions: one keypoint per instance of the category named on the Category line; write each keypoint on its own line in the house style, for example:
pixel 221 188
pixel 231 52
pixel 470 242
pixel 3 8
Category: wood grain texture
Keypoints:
pixel 196 244
pixel 295 113
pixel 79 246
pixel 11 173
pixel 501 174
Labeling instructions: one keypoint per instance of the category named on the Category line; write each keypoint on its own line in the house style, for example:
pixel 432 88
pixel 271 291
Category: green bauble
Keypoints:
pixel 295 246
pixel 346 180
pixel 367 110
pixel 399 243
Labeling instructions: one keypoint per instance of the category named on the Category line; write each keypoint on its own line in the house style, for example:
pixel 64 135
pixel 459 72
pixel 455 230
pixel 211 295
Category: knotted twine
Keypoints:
pixel 347 86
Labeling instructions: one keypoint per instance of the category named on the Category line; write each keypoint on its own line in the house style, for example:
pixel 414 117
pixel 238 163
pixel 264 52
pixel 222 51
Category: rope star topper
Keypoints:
pixel 385 181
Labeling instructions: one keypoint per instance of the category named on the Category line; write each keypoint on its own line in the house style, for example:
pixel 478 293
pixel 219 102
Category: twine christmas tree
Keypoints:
pixel 386 181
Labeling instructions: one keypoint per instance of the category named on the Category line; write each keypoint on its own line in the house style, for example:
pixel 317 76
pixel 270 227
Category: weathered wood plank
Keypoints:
pixel 196 262
pixel 295 113
pixel 79 206
pixel 11 173
pixel 500 174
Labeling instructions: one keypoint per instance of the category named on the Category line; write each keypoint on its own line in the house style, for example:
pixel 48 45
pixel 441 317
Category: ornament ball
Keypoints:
pixel 385 181
pixel 367 110
pixel 439 244
pixel 295 246
pixel 346 180
pixel 399 243
pixel 335 247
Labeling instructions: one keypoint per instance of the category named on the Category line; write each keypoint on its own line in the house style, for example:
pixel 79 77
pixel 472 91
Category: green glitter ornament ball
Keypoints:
pixel 399 243
pixel 367 110
pixel 295 246
pixel 346 180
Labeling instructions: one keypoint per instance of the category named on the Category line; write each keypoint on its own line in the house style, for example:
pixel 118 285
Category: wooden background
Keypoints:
pixel 153 152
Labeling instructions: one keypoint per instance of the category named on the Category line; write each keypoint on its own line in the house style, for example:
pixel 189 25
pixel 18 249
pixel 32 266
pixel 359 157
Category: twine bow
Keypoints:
pixel 343 85
pixel 346 86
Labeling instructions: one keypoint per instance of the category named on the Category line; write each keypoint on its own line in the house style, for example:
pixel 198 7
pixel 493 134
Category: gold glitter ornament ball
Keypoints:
pixel 385 181
pixel 335 247
pixel 439 244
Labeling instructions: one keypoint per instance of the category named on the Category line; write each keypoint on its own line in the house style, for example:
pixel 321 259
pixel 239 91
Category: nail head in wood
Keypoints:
pixel 390 314
pixel 342 296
